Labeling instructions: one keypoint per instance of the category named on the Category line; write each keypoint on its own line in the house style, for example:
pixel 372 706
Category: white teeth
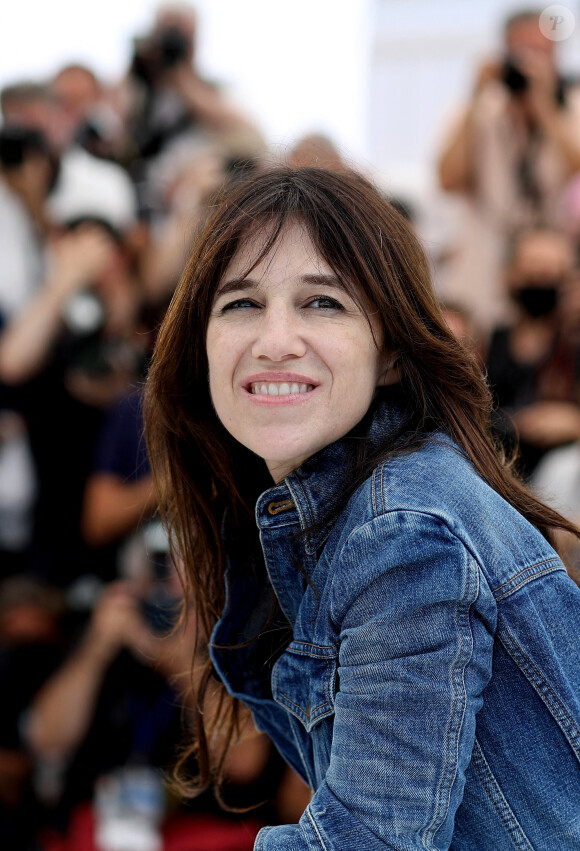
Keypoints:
pixel 285 388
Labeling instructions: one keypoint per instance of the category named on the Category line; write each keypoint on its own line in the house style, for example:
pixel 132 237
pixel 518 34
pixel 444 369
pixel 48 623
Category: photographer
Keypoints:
pixel 68 353
pixel 113 702
pixel 510 155
pixel 113 715
pixel 169 104
pixel 26 174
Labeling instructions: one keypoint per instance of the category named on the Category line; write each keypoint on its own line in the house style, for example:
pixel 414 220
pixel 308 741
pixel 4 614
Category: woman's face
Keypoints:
pixel 293 365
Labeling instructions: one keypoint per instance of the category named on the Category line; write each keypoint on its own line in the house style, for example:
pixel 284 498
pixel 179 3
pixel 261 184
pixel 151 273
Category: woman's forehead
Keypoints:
pixel 273 247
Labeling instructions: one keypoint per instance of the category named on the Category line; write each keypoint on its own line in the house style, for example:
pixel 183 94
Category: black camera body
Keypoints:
pixel 18 143
pixel 517 82
pixel 513 78
pixel 161 51
pixel 172 47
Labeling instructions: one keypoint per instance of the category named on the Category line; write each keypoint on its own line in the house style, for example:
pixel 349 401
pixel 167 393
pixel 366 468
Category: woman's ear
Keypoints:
pixel 391 371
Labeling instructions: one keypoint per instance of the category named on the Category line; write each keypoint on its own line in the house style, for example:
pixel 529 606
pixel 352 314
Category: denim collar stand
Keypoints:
pixel 307 494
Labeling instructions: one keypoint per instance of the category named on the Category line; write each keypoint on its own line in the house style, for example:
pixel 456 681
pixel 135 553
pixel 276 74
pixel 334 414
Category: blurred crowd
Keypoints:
pixel 511 280
pixel 101 189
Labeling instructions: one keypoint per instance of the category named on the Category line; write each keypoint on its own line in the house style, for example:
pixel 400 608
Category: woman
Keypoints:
pixel 400 626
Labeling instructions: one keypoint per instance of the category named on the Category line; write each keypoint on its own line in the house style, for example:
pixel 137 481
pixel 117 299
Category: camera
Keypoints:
pixel 517 82
pixel 160 51
pixel 18 143
pixel 160 606
pixel 513 78
pixel 172 46
pixel 84 313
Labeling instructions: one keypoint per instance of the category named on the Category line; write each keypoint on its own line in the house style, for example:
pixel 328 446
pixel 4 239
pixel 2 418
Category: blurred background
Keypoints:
pixel 118 122
pixel 341 67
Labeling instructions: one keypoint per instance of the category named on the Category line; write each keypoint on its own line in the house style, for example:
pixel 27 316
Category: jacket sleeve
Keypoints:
pixel 416 621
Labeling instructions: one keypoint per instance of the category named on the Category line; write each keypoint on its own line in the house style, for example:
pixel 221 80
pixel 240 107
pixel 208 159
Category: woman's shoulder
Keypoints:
pixel 435 491
pixel 431 478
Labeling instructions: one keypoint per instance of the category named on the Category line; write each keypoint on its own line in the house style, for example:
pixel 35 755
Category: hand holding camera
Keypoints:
pixel 532 80
pixel 79 258
pixel 161 52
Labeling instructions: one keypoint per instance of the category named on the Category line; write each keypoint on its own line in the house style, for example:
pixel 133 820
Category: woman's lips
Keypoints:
pixel 282 388
pixel 271 385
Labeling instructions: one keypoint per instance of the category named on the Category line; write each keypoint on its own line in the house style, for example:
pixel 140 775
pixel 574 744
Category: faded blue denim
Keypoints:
pixel 430 696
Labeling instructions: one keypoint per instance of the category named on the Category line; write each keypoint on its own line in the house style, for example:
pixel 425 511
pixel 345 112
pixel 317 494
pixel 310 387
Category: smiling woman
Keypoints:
pixel 294 361
pixel 370 579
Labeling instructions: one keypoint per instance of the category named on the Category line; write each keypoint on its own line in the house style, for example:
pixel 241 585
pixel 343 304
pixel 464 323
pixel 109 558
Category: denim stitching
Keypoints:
pixel 374 493
pixel 383 485
pixel 328 677
pixel 305 762
pixel 525 581
pixel 319 711
pixel 543 689
pixel 498 800
pixel 298 707
pixel 378 494
pixel 556 565
pixel 315 828
pixel 279 586
pixel 304 499
pixel 331 683
pixel 458 685
pixel 331 647
pixel 298 503
pixel 525 570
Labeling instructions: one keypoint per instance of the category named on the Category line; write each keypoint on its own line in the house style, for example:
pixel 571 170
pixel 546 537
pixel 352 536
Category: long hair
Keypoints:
pixel 201 471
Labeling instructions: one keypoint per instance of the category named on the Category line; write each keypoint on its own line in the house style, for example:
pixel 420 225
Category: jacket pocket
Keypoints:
pixel 304 681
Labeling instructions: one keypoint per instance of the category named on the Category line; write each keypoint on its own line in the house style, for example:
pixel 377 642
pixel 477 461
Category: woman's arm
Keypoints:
pixel 455 165
pixel 554 122
pixel 415 656
pixel 62 712
pixel 456 162
pixel 114 507
pixel 27 341
pixel 64 708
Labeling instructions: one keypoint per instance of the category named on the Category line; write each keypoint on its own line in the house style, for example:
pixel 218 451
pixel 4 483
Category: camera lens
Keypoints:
pixel 83 313
pixel 173 47
pixel 513 78
pixel 18 142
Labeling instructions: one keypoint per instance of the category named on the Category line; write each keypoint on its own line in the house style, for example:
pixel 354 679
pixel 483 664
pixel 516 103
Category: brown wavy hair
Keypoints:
pixel 201 472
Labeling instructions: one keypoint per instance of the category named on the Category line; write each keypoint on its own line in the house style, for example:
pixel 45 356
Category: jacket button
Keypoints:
pixel 279 507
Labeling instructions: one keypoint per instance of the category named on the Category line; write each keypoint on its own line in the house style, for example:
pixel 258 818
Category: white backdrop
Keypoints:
pixel 379 76
pixel 297 66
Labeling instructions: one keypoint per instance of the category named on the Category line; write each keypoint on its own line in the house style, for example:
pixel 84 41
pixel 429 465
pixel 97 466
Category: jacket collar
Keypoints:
pixel 309 493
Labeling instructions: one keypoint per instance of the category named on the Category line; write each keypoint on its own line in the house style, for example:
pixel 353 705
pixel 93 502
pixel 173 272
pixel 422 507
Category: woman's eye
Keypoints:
pixel 238 304
pixel 323 302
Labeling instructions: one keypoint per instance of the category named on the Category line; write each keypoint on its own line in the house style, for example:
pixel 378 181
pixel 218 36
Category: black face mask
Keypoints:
pixel 537 301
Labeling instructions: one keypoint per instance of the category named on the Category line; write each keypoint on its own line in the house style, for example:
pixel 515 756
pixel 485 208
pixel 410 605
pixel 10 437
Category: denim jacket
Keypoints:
pixel 430 693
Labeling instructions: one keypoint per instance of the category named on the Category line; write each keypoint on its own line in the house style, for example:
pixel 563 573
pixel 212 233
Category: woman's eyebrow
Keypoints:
pixel 323 281
pixel 241 283
pixel 235 285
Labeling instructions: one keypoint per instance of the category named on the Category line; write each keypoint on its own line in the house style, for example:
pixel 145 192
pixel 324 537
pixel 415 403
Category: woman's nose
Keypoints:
pixel 279 335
